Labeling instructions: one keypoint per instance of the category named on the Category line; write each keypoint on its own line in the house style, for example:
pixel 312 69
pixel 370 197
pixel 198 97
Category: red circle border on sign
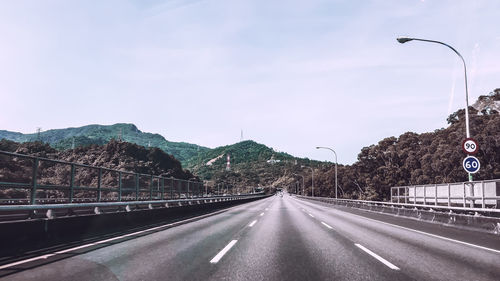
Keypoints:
pixel 463 148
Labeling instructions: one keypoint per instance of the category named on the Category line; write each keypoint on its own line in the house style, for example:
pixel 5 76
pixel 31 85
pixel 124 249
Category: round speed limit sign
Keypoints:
pixel 469 146
pixel 471 164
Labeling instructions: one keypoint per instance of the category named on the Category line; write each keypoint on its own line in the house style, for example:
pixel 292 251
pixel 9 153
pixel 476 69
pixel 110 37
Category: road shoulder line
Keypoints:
pixel 432 235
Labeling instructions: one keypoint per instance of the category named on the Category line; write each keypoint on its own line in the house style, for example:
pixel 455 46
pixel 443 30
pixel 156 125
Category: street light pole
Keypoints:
pixel 403 40
pixel 336 184
pixel 312 179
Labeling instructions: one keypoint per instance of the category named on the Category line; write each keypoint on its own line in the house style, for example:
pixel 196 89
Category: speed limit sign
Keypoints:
pixel 471 164
pixel 469 146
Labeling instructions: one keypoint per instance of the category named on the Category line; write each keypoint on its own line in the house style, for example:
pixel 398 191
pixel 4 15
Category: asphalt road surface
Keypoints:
pixel 277 238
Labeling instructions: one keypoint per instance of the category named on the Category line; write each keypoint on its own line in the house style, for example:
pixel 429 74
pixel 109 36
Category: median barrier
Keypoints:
pixel 18 237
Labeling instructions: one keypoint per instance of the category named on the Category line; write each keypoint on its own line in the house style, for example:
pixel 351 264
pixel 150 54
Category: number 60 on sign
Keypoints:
pixel 471 164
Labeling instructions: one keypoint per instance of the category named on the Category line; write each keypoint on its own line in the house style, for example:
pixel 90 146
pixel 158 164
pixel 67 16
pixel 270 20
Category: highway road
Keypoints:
pixel 277 238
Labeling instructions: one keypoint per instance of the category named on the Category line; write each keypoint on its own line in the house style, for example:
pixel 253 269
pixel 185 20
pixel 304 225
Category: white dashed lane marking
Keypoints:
pixel 226 249
pixel 379 258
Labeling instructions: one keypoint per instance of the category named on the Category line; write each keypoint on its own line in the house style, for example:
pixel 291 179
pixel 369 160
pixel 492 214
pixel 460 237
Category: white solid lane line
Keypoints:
pixel 219 256
pixel 428 234
pixel 261 214
pixel 25 261
pixel 252 223
pixel 431 235
pixel 311 216
pixel 84 246
pixel 379 258
pixel 326 225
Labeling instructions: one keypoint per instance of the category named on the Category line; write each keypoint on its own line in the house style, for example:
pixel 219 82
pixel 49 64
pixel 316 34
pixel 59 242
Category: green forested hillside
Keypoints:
pixel 101 134
pixel 415 159
pixel 252 164
pixel 241 152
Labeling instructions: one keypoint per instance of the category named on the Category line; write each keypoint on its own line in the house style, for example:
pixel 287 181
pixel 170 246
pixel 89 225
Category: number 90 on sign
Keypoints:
pixel 469 146
pixel 471 164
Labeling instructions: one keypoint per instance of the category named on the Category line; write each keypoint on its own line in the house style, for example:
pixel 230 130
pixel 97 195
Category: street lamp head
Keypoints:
pixel 403 40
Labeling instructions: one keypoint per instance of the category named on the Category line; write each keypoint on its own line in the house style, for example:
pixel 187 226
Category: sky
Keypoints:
pixel 290 74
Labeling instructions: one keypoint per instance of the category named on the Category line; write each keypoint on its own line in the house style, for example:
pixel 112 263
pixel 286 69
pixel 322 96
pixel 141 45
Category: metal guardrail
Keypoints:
pixel 50 211
pixel 400 205
pixel 35 188
pixel 35 193
pixel 482 193
pixel 162 203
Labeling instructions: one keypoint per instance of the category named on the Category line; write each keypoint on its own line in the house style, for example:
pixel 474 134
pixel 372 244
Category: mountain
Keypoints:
pixel 248 158
pixel 251 164
pixel 241 152
pixel 101 134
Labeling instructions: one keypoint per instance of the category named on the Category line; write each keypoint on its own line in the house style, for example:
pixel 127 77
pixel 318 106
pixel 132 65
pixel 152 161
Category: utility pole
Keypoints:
pixel 38 130
pixel 312 179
